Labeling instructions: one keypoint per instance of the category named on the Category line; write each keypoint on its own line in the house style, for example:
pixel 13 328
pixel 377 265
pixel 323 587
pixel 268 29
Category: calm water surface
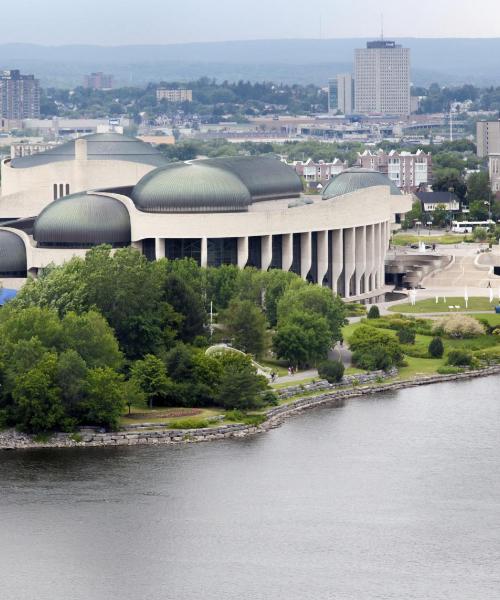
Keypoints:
pixel 396 497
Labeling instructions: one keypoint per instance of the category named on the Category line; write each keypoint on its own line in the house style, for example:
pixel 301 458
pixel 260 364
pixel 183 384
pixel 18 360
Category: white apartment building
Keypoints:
pixel 345 93
pixel 174 95
pixel 382 79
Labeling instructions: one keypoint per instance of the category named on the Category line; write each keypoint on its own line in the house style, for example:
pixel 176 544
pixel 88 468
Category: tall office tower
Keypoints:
pixel 382 79
pixel 488 138
pixel 19 96
pixel 333 96
pixel 345 93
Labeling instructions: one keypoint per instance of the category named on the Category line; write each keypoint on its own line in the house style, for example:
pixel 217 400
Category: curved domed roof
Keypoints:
pixel 356 179
pixel 100 146
pixel 83 220
pixel 187 188
pixel 12 254
pixel 266 177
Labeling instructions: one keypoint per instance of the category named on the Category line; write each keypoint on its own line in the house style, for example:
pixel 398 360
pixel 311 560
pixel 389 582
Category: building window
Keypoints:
pixel 183 248
pixel 222 251
pixel 55 191
pixel 277 252
pixel 255 252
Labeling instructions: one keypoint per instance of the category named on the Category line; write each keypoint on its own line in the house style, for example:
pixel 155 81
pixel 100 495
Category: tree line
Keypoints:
pixel 88 338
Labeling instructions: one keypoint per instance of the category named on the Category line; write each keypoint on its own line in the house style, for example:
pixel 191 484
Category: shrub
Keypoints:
pixel 448 370
pixel 406 335
pixel 270 398
pixel 374 349
pixel 189 424
pixel 460 358
pixel 374 312
pixel 436 347
pixel 458 326
pixel 331 370
pixel 240 417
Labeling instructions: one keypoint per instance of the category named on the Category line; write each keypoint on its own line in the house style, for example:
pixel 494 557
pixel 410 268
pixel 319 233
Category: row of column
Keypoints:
pixel 355 256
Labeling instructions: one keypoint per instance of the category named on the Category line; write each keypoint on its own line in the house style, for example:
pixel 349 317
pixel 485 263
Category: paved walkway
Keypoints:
pixel 338 353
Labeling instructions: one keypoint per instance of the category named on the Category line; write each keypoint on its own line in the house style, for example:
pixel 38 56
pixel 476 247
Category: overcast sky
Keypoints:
pixel 113 22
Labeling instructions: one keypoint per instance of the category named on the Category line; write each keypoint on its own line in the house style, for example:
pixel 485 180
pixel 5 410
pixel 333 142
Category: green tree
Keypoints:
pixel 439 215
pixel 71 375
pixel 245 323
pixel 104 401
pixel 316 300
pixel 241 388
pixel 291 344
pixel 91 336
pixel 303 339
pixel 436 347
pixel 149 375
pixel 276 282
pixel 37 399
pixel 187 303
pixel 446 180
pixel 478 187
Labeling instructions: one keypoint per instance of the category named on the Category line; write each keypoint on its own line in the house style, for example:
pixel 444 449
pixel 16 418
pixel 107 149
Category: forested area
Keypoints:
pixel 88 338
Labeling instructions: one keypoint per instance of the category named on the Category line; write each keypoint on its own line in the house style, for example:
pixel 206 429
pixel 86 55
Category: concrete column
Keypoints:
pixel 349 258
pixel 305 254
pixel 322 255
pixel 204 253
pixel 360 257
pixel 242 252
pixel 137 245
pixel 159 248
pixel 370 258
pixel 378 237
pixel 287 252
pixel 337 257
pixel 266 251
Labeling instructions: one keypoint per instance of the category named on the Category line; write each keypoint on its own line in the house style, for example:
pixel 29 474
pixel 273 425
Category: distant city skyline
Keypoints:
pixel 117 22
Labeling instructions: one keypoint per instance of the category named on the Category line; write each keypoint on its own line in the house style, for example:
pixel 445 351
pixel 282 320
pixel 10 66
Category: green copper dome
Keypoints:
pixel 12 255
pixel 266 177
pixel 100 146
pixel 356 179
pixel 81 221
pixel 188 188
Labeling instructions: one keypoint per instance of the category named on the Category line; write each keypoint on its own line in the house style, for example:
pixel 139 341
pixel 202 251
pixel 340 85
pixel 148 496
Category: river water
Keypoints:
pixel 393 497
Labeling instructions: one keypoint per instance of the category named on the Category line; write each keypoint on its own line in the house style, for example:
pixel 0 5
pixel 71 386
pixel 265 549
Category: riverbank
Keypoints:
pixel 13 440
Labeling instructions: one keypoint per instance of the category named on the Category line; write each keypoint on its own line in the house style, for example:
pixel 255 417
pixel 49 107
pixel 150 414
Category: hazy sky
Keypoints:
pixel 112 22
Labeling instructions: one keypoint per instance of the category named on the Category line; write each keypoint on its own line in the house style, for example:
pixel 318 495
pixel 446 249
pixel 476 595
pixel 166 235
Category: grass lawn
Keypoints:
pixel 420 366
pixel 429 305
pixel 493 319
pixel 161 415
pixel 403 239
pixel 280 386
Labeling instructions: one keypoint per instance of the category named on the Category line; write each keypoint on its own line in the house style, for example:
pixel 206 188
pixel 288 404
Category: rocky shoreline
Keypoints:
pixel 13 440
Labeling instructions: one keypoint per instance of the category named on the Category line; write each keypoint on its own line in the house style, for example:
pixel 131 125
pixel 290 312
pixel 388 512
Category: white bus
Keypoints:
pixel 469 226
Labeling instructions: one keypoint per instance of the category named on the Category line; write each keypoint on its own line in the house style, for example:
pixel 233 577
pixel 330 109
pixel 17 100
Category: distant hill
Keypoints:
pixel 447 60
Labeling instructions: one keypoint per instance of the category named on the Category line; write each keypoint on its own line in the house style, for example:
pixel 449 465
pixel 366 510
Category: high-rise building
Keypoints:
pixel 382 79
pixel 333 96
pixel 19 96
pixel 345 91
pixel 98 81
pixel 341 94
pixel 488 138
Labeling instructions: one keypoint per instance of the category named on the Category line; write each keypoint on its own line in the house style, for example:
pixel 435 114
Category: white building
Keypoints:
pixel 105 160
pixel 382 79
pixel 246 211
pixel 345 92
